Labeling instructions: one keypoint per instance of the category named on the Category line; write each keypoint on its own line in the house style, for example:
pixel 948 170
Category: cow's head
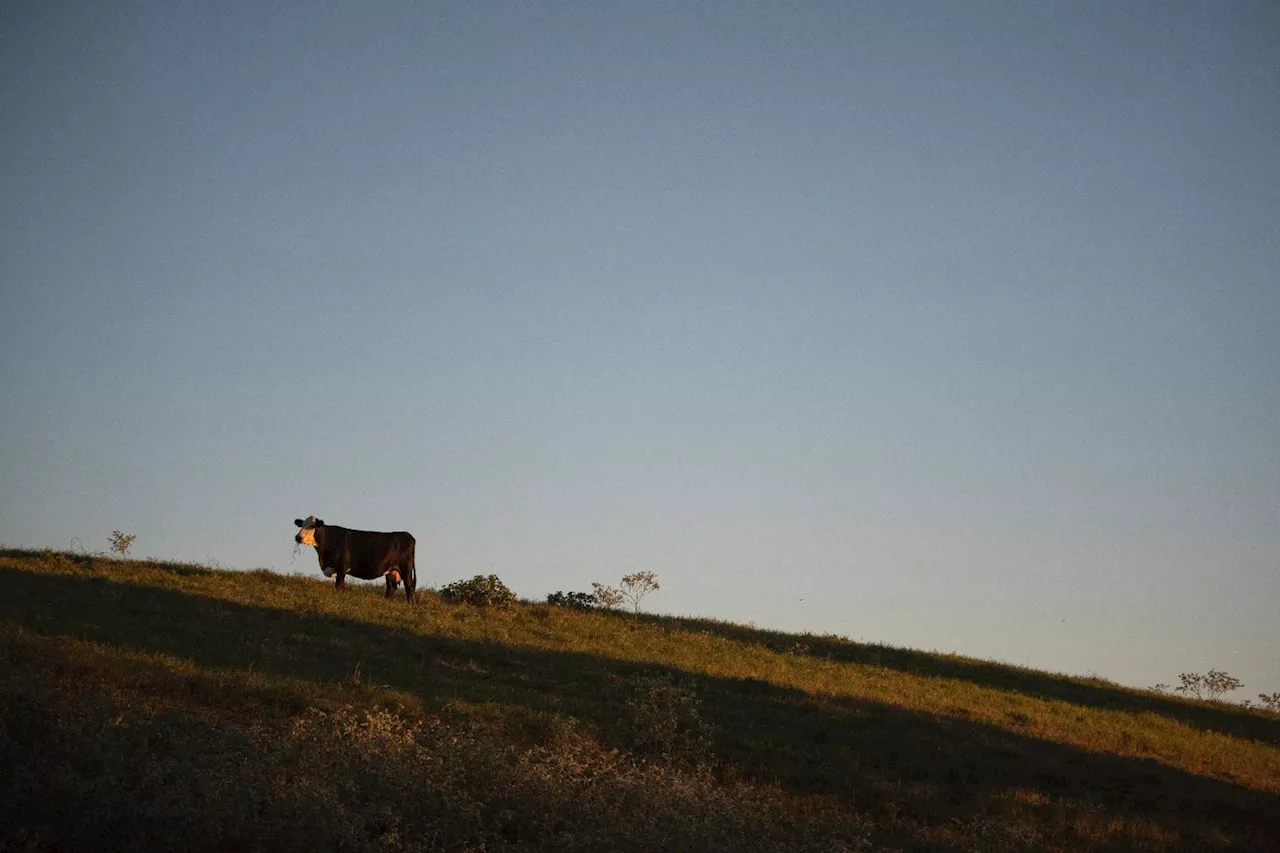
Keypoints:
pixel 307 535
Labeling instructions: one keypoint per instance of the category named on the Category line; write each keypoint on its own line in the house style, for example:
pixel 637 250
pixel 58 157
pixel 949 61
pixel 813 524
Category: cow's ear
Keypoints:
pixel 297 522
pixel 319 522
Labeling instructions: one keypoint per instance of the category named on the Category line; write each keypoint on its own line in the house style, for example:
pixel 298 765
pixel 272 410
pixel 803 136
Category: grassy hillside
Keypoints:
pixel 149 705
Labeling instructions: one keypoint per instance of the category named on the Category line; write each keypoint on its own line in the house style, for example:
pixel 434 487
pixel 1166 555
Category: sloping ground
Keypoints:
pixel 162 706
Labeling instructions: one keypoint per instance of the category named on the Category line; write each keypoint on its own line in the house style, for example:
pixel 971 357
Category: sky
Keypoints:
pixel 953 326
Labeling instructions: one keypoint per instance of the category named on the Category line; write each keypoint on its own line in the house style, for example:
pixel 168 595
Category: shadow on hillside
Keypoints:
pixel 904 768
pixel 1235 722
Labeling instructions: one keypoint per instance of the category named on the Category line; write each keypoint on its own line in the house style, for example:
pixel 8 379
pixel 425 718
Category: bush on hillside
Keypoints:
pixel 1211 686
pixel 606 595
pixel 576 600
pixel 122 542
pixel 1266 701
pixel 480 591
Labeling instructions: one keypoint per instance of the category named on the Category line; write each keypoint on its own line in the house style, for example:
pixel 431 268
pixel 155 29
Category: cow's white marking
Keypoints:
pixel 308 535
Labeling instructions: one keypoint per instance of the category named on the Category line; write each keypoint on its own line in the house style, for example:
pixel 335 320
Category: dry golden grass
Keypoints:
pixel 161 706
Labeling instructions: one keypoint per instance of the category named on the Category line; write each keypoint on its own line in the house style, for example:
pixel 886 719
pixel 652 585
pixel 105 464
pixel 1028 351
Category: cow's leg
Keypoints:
pixel 340 580
pixel 410 582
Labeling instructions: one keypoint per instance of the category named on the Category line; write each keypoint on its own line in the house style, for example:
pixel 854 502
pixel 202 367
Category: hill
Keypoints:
pixel 150 705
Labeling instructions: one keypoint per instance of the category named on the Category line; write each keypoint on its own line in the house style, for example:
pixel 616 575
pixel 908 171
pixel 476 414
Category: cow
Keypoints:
pixel 361 554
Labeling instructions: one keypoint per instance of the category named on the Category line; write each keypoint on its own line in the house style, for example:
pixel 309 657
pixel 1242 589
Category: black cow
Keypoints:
pixel 361 554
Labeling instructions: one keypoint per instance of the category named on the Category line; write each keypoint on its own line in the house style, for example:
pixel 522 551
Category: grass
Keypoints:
pixel 149 705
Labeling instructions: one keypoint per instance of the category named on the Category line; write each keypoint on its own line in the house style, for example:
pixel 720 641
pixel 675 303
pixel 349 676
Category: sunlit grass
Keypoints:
pixel 584 730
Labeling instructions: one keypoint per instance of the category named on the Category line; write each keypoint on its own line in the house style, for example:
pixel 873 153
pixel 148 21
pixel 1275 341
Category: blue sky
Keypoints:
pixel 951 326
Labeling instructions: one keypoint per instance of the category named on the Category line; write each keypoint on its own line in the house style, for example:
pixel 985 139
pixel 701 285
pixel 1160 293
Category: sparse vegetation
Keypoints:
pixel 633 589
pixel 1210 687
pixel 480 591
pixel 122 542
pixel 156 706
pixel 1266 701
pixel 666 720
pixel 606 595
pixel 1216 684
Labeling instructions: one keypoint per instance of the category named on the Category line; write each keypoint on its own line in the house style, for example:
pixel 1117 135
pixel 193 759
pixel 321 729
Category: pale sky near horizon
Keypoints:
pixel 949 326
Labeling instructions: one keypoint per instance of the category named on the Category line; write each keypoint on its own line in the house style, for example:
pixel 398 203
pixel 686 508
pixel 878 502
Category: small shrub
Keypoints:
pixel 576 600
pixel 1210 686
pixel 606 595
pixel 480 591
pixel 122 542
pixel 1266 701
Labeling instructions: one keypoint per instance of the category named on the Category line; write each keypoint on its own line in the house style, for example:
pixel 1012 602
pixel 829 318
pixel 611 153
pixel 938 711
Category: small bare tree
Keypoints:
pixel 633 588
pixel 1210 686
pixel 637 586
pixel 122 542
